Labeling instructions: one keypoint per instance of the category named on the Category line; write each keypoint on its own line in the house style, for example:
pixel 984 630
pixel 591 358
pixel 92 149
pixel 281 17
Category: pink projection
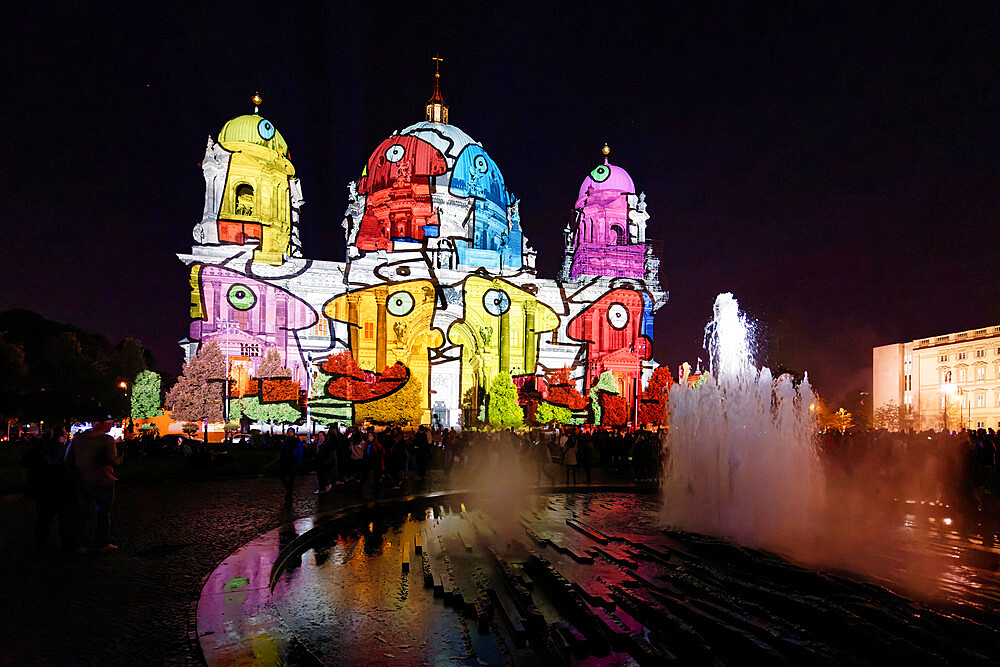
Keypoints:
pixel 246 317
pixel 604 244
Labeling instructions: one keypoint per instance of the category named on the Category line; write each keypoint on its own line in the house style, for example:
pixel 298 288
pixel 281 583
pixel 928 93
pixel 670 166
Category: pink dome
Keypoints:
pixel 607 177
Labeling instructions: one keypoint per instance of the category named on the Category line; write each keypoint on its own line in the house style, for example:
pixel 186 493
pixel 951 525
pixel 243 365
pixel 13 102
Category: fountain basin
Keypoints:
pixel 572 577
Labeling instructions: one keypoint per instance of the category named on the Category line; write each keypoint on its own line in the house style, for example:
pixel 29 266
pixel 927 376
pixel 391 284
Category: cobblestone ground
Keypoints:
pixel 133 607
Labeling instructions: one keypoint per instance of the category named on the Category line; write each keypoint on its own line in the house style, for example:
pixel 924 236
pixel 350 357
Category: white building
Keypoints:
pixel 949 381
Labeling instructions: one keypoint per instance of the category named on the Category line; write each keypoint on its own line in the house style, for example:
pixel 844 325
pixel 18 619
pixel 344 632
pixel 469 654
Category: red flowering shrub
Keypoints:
pixel 279 391
pixel 343 363
pixel 563 392
pixel 392 379
pixel 613 410
pixel 653 400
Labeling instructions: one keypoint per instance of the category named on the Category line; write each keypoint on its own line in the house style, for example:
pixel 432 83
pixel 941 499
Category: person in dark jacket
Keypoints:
pixel 326 460
pixel 50 484
pixel 291 455
pixel 93 455
pixel 422 450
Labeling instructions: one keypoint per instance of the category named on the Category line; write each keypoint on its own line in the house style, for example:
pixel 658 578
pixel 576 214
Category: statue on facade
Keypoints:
pixel 214 167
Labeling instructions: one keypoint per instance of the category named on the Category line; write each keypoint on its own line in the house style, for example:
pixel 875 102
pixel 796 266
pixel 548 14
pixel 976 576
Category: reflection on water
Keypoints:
pixel 593 575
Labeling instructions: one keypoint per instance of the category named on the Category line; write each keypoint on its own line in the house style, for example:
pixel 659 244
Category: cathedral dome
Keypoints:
pixel 448 139
pixel 608 178
pixel 254 129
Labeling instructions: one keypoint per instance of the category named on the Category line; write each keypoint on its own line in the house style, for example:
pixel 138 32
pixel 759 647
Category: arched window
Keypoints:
pixel 244 199
pixel 618 235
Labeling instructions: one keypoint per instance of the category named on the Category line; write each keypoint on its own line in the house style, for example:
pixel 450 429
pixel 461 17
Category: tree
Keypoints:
pixel 858 403
pixel 828 418
pixel 55 371
pixel 605 383
pixel 563 392
pixel 146 395
pixel 401 407
pixel 653 400
pixel 269 413
pixel 197 395
pixel 13 378
pixel 277 396
pixel 614 411
pixel 894 417
pixel 547 412
pixel 504 410
pixel 270 366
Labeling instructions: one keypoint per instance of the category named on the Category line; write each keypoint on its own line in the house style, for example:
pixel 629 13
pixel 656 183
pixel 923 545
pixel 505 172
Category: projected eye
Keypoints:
pixel 241 297
pixel 617 316
pixel 496 302
pixel 400 304
pixel 395 153
pixel 601 173
pixel 265 129
pixel 481 165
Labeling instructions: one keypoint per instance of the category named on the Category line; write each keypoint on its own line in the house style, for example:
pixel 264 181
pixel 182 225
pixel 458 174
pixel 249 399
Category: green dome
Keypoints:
pixel 254 129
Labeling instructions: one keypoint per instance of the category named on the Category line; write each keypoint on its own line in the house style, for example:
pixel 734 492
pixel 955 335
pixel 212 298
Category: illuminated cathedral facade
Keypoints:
pixel 439 275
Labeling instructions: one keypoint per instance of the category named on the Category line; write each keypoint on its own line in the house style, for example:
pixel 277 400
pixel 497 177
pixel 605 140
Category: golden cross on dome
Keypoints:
pixel 437 63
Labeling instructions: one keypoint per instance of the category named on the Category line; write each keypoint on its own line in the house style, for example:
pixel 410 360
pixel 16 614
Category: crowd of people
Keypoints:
pixel 73 481
pixel 958 468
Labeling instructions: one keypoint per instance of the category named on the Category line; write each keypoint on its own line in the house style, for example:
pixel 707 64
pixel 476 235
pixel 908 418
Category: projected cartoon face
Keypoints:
pixel 232 309
pixel 476 175
pixel 615 327
pixel 391 323
pixel 499 330
pixel 396 182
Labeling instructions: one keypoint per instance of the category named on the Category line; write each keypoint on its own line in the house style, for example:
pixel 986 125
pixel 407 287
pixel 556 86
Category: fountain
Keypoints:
pixel 741 457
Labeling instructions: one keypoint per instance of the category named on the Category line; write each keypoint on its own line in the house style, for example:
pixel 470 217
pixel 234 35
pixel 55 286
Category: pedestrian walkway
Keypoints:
pixel 134 606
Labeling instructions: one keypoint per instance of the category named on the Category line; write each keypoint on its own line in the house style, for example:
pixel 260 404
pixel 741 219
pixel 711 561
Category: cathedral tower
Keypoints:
pixel 251 193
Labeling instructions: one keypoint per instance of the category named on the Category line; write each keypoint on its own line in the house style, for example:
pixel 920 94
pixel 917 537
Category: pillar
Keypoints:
pixel 354 328
pixel 381 335
pixel 530 342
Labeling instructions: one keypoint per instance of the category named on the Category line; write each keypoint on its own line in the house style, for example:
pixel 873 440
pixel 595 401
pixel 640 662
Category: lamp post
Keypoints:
pixel 125 402
pixel 952 389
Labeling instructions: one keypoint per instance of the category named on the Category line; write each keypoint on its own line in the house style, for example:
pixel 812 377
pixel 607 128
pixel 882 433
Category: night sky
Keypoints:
pixel 837 169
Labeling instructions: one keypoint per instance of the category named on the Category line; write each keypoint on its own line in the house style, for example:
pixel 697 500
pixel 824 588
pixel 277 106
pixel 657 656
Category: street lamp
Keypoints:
pixel 125 408
pixel 952 389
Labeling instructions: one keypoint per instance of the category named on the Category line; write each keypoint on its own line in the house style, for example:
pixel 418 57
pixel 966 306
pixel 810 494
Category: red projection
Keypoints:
pixel 612 327
pixel 350 383
pixel 397 184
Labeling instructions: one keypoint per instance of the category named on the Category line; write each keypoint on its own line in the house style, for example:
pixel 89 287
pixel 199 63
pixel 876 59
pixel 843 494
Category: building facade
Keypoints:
pixel 439 274
pixel 951 381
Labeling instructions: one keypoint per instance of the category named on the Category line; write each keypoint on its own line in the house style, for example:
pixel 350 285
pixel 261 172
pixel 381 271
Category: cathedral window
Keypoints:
pixel 244 199
pixel 618 235
pixel 249 350
pixel 369 330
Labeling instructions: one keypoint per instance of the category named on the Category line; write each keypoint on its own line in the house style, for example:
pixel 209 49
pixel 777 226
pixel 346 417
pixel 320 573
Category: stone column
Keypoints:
pixel 381 335
pixel 503 345
pixel 530 341
pixel 354 326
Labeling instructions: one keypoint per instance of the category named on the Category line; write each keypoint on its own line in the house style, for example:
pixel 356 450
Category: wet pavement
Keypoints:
pixel 134 606
pixel 573 578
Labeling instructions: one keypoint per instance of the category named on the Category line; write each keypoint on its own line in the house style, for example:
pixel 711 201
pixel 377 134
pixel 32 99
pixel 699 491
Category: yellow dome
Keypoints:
pixel 254 129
